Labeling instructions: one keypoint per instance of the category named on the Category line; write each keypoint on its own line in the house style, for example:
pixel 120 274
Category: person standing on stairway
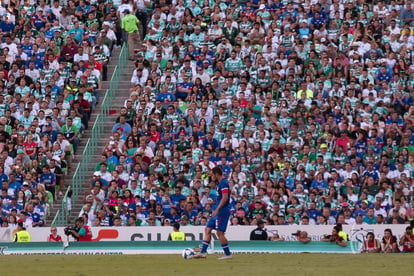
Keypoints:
pixel 142 15
pixel 130 24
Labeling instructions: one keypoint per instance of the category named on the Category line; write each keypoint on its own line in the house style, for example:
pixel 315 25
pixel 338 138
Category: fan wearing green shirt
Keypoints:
pixel 230 32
pixel 157 167
pixel 306 151
pixel 71 132
pixel 233 63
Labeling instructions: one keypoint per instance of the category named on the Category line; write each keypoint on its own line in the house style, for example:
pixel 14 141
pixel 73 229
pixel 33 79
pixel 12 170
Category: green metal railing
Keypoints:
pixel 86 159
pixel 77 181
pixel 65 203
pixel 113 85
pixel 96 131
pixel 105 108
pixel 123 58
pixel 56 221
pixel 81 172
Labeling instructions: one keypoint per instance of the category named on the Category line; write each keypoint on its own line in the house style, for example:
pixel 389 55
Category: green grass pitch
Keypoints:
pixel 242 264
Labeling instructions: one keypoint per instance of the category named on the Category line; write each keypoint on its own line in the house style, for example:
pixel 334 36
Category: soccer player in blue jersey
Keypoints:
pixel 220 216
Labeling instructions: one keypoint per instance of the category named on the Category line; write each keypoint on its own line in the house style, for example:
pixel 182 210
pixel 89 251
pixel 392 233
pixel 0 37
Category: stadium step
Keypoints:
pixel 68 178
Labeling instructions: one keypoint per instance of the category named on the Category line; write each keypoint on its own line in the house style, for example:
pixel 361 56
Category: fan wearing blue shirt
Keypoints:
pixel 37 207
pixel 174 216
pixel 13 205
pixel 313 212
pixel 27 47
pixel 6 26
pixel 3 178
pixel 166 96
pixel 14 185
pixel 175 198
pixel 36 218
pixel 383 75
pixel 39 20
pixel 190 211
pixel 210 141
pixel 48 179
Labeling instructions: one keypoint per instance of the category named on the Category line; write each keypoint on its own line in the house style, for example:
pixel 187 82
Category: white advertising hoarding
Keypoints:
pixel 195 233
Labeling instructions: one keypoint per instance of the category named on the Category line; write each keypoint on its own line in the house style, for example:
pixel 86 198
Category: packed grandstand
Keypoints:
pixel 305 105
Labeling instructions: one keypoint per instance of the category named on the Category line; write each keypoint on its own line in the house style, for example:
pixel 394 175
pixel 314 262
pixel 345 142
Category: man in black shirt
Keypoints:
pixel 259 234
pixel 4 135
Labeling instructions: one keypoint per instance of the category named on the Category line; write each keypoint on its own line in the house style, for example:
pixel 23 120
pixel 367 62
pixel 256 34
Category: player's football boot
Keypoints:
pixel 200 255
pixel 226 257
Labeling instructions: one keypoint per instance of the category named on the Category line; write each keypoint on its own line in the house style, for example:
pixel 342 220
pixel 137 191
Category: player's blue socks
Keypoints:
pixel 204 246
pixel 226 249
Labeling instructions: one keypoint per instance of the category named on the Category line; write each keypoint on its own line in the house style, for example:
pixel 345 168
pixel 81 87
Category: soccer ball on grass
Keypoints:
pixel 188 253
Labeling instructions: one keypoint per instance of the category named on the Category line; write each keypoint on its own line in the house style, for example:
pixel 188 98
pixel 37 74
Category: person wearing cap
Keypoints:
pixel 39 19
pixel 260 233
pixel 176 235
pixel 130 25
pixel 21 235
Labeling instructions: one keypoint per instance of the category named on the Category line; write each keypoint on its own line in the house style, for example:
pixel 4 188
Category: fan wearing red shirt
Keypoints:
pixel 97 65
pixel 242 100
pixel 155 136
pixel 29 146
pixel 249 14
pixel 407 241
pixel 54 237
pixel 343 141
pixel 84 104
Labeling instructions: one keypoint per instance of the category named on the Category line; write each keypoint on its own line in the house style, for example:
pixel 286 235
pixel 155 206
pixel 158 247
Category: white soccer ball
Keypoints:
pixel 188 253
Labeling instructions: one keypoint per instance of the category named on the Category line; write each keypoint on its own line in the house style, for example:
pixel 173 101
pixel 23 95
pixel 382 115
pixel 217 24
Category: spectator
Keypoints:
pixel 176 235
pixel 407 240
pixel 259 233
pixel 54 237
pixel 371 244
pixel 130 24
pixel 302 236
pixel 389 242
pixel 335 238
pixel 21 234
pixel 395 218
pixel 313 122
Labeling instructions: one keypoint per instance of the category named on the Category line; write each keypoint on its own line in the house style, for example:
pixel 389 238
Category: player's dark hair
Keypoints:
pixel 217 170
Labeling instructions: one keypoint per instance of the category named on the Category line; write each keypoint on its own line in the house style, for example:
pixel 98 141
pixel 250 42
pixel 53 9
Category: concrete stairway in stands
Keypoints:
pixel 118 101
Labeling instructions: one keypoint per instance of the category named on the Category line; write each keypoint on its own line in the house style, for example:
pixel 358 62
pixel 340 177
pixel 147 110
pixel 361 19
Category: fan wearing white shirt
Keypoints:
pixel 9 44
pixel 348 172
pixel 110 34
pixel 80 55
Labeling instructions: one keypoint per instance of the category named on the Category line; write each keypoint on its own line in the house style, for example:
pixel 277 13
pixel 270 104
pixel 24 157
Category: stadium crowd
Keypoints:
pixel 307 107
pixel 53 57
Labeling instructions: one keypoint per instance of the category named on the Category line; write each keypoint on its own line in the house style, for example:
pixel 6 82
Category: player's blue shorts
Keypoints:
pixel 220 222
